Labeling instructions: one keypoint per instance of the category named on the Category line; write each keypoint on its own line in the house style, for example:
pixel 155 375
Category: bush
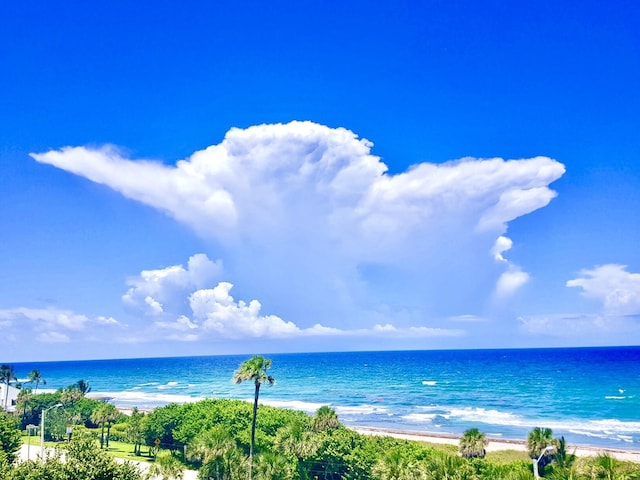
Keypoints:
pixel 10 436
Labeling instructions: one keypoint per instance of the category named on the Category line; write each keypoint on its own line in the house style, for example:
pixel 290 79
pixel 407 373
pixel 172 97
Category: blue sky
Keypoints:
pixel 193 178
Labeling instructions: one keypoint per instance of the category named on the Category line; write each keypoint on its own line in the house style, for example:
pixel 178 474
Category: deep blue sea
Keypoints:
pixel 589 395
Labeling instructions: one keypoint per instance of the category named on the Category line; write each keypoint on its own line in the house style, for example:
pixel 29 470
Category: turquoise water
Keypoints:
pixel 590 395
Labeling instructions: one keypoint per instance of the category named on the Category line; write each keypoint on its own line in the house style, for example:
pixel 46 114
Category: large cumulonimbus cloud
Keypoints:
pixel 318 230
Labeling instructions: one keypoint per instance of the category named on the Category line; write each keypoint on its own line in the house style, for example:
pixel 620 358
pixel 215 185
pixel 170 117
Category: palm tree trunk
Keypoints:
pixel 253 429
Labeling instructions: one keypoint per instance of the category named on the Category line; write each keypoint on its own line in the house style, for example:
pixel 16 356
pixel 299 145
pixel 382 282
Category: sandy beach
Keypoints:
pixel 496 445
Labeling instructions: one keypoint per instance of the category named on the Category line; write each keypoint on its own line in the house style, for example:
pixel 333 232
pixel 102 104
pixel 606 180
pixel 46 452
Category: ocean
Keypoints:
pixel 591 396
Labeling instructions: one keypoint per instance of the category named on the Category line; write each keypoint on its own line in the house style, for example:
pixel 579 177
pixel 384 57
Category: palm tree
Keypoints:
pixel 325 419
pixel 210 446
pixel 298 441
pixel 563 459
pixel 394 465
pixel 254 369
pixel 36 377
pixel 83 387
pixel 473 443
pixel 25 396
pixel 537 442
pixel 539 439
pixel 7 375
pixel 231 464
pixel 103 416
pixel 112 415
pixel 272 466
pixel 166 466
pixel 606 466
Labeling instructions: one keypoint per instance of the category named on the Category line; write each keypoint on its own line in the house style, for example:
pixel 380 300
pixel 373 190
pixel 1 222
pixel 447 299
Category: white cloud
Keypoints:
pixel 218 312
pixel 311 220
pixel 154 306
pixel 153 289
pixel 617 289
pixel 54 325
pixel 51 317
pixel 215 313
pixel 53 337
pixel 502 245
pixel 510 281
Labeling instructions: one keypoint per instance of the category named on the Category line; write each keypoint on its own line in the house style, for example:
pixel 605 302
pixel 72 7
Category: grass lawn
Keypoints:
pixel 116 449
pixel 125 450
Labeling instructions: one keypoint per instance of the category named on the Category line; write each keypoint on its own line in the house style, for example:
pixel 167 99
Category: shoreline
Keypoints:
pixel 495 445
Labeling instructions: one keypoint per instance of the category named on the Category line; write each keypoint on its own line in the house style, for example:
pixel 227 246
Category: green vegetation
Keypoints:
pixel 36 377
pixel 226 440
pixel 10 438
pixel 473 443
pixel 83 460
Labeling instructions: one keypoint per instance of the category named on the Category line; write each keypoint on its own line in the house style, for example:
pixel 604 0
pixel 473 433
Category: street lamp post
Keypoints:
pixel 42 428
pixel 547 449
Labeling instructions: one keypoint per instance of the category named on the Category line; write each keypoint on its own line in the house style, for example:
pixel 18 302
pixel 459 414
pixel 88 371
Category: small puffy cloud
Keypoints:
pixel 218 312
pixel 152 289
pixel 107 321
pixel 613 285
pixel 502 245
pixel 306 213
pixel 154 306
pixel 510 281
pixel 513 277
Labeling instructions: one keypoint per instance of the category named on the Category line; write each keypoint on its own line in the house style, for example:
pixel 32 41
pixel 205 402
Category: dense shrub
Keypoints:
pixel 10 438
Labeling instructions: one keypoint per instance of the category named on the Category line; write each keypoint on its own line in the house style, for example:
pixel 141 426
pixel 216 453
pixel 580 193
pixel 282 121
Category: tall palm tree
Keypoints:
pixel 36 377
pixel 254 369
pixel 111 415
pixel 473 443
pixel 7 375
pixel 103 415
